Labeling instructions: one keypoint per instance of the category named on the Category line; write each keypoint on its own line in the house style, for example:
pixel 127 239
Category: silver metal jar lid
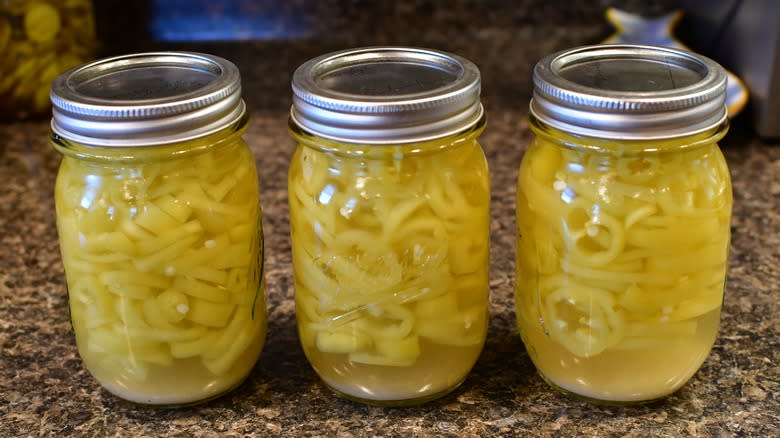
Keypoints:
pixel 146 99
pixel 629 92
pixel 386 95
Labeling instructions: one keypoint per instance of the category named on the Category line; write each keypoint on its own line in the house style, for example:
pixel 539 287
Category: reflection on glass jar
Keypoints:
pixel 390 244
pixel 160 239
pixel 40 39
pixel 622 248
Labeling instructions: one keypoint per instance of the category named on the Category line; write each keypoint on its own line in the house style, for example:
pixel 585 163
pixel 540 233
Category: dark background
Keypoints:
pixel 492 33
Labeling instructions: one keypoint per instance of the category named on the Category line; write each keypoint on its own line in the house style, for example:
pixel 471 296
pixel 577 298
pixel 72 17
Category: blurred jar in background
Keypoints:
pixel 39 39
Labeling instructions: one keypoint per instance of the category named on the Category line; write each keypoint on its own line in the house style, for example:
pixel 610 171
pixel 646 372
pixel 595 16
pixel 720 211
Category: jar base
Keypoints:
pixel 600 401
pixel 402 403
pixel 174 404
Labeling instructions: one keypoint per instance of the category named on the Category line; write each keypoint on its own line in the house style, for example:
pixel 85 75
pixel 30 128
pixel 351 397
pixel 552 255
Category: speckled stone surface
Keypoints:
pixel 45 391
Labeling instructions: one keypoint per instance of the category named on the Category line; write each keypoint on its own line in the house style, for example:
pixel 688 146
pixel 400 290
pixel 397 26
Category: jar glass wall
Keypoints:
pixel 390 248
pixel 621 260
pixel 162 249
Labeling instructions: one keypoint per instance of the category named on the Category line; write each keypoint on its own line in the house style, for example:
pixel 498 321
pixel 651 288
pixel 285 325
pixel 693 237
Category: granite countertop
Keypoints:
pixel 45 391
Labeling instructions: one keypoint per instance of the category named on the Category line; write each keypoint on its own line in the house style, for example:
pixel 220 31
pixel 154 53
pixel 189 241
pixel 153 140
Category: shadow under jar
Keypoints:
pixel 623 213
pixel 389 214
pixel 159 224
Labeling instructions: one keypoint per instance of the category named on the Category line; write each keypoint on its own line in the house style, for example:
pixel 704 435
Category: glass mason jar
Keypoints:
pixel 39 40
pixel 160 225
pixel 389 216
pixel 623 214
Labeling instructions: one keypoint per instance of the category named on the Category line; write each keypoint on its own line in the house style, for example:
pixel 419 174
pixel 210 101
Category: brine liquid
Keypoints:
pixel 439 369
pixel 179 383
pixel 625 374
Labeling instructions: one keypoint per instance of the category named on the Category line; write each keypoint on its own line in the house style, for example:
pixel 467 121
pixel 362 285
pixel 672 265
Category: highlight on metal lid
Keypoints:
pixel 146 99
pixel 629 92
pixel 386 95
